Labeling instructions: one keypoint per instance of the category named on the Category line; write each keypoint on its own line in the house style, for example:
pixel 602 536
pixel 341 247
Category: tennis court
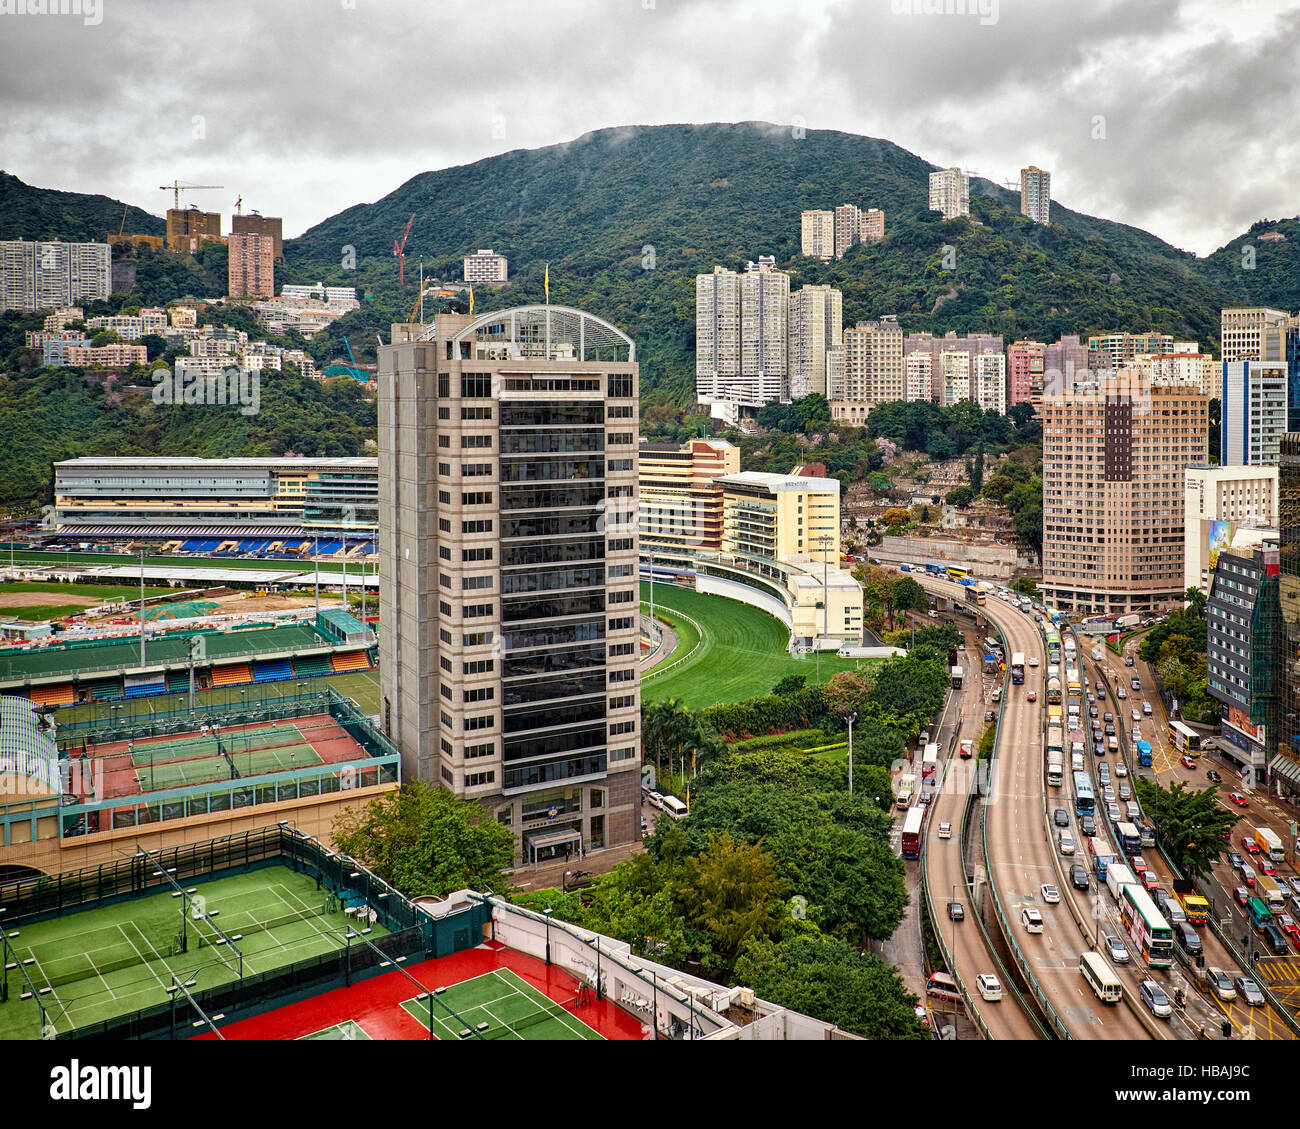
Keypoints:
pixel 100 963
pixel 349 1031
pixel 205 770
pixel 502 1005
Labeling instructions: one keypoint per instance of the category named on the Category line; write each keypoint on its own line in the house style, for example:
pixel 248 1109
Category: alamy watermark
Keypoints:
pixel 90 11
pixel 986 10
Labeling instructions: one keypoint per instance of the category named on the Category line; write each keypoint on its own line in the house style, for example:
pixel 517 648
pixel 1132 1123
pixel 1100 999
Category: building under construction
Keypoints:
pixel 188 227
pixel 255 224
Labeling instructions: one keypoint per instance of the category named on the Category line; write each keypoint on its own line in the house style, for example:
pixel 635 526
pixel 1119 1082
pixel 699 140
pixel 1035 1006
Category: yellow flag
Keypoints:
pixel 546 282
pixel 471 299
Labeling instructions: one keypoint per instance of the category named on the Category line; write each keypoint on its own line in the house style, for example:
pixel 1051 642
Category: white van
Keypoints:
pixel 674 807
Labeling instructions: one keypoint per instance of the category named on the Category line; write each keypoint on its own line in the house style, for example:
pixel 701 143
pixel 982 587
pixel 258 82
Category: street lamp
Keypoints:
pixel 851 719
pixel 547 912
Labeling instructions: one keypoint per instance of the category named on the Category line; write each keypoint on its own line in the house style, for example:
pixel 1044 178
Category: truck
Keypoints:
pixel 1127 622
pixel 956 675
pixel 1117 877
pixel 1018 668
pixel 1195 906
pixel 906 790
pixel 1270 843
pixel 1144 753
pixel 1097 654
pixel 1268 889
pixel 1103 858
pixel 1055 772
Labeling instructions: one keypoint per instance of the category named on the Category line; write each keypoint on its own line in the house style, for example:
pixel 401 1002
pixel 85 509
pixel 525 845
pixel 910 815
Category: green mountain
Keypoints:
pixel 27 212
pixel 1259 271
pixel 627 217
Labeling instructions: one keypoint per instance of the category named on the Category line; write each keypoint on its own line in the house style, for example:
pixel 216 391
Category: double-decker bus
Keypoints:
pixel 1018 668
pixel 1085 802
pixel 1184 738
pixel 1101 978
pixel 1148 928
pixel 975 596
pixel 1129 838
pixel 930 760
pixel 1102 856
pixel 1054 646
pixel 912 832
pixel 955 572
pixel 1053 691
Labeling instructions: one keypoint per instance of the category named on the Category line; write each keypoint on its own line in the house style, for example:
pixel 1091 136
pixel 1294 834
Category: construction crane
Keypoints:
pixel 357 371
pixel 122 226
pixel 239 204
pixel 176 188
pixel 399 249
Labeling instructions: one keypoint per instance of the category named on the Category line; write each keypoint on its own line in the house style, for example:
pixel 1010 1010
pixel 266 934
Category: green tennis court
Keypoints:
pixel 349 1031
pixel 192 748
pixel 180 774
pixel 97 964
pixel 501 1005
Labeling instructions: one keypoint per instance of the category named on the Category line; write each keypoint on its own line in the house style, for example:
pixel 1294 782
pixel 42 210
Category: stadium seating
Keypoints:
pixel 232 674
pixel 144 689
pixel 311 665
pixel 349 660
pixel 178 681
pixel 271 671
pixel 60 694
pixel 106 691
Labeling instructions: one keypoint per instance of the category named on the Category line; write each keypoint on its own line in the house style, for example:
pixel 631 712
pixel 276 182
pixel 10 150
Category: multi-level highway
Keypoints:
pixel 1021 858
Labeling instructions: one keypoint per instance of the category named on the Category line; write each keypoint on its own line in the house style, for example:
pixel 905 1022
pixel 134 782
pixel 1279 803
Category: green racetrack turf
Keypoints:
pixel 738 652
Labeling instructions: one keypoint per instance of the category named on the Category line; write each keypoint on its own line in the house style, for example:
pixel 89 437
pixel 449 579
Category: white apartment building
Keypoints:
pixel 1219 503
pixel 1253 399
pixel 955 369
pixel 950 193
pixel 989 382
pixel 1035 194
pixel 817 234
pixel 485 265
pixel 848 228
pixel 48 276
pixel 919 376
pixel 1252 333
pixel 319 293
pixel 741 327
pixel 871 228
pixel 813 326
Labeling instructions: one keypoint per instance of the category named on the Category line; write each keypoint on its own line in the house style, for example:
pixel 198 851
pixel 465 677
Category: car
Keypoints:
pixel 1294 883
pixel 1235 860
pixel 1187 761
pixel 1031 919
pixel 1248 842
pixel 1109 717
pixel 1066 841
pixel 1033 660
pixel 1137 863
pixel 1249 991
pixel 1136 715
pixel 989 715
pixel 945 831
pixel 1213 776
pixel 1247 873
pixel 1108 794
pixel 1125 792
pixel 1121 769
pixel 1099 748
pixel 1154 997
pixel 1087 824
pixel 1031 695
pixel 1101 692
pixel 1079 877
pixel 956 911
pixel 996 696
pixel 1150 880
pixel 933 614
pixel 1115 948
pixel 1286 923
pixel 1110 729
pixel 1135 735
pixel 1146 708
pixel 1128 660
pixel 1103 773
pixel 1242 894
pixel 1220 983
pixel 1135 683
pixel 1051 895
pixel 1114 814
pixel 988 986
pixel 1174 912
pixel 1121 693
pixel 1265 866
pixel 1060 818
pixel 1092 711
pixel 1238 799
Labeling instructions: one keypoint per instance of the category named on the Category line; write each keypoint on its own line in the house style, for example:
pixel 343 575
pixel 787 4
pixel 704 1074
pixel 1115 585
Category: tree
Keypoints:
pixel 732 890
pixel 154 346
pixel 848 692
pixel 790 684
pixel 977 469
pixel 896 515
pixel 909 595
pixel 424 841
pixel 104 337
pixel 961 497
pixel 1190 824
pixel 1025 586
pixel 832 981
pixel 1196 602
pixel 1021 415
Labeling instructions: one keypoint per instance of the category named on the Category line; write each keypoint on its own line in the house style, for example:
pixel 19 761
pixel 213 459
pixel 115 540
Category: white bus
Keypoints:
pixel 674 807
pixel 1101 978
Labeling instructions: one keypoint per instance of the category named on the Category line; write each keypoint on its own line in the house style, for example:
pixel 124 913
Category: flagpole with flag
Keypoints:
pixel 471 299
pixel 546 286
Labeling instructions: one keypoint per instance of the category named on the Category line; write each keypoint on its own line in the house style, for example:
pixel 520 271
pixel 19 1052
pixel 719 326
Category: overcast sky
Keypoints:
pixel 1174 115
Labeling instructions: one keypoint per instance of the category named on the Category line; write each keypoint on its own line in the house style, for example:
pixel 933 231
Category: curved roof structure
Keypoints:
pixel 27 749
pixel 546 333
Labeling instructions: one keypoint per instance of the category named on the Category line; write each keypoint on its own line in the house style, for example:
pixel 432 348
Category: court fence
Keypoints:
pixel 412 930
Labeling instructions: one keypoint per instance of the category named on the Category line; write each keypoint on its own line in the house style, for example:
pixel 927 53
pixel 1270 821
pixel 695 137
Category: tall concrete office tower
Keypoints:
pixel 508 565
